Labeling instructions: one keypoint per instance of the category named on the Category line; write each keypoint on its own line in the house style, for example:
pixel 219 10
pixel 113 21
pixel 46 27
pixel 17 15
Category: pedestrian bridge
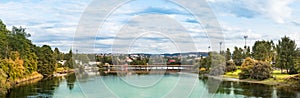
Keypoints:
pixel 144 69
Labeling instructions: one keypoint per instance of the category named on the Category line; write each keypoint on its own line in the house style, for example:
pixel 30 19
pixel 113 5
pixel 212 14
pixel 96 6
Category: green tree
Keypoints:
pixel 3 40
pixel 248 53
pixel 286 53
pixel 237 56
pixel 204 63
pixel 70 60
pixel 297 60
pixel 57 54
pixel 263 50
pixel 46 61
pixel 19 42
pixel 230 66
pixel 228 54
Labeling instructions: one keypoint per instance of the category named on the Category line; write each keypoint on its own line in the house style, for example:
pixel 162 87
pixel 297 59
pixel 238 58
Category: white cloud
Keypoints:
pixel 55 22
pixel 279 10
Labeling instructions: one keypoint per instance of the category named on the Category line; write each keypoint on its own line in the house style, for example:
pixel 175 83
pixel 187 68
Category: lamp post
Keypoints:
pixel 220 46
pixel 245 37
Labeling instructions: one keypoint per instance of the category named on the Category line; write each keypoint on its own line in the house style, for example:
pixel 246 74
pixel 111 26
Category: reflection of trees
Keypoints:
pixel 71 79
pixel 247 89
pixel 256 90
pixel 285 92
pixel 224 87
pixel 212 85
pixel 239 88
pixel 44 88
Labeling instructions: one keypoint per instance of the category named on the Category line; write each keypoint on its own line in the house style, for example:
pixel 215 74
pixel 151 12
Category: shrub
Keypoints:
pixel 230 66
pixel 217 63
pixel 252 69
pixel 261 71
pixel 202 71
pixel 217 70
pixel 246 67
pixel 3 81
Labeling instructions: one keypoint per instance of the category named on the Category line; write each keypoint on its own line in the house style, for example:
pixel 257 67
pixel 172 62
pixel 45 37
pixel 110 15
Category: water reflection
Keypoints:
pixel 66 87
pixel 43 88
pixel 71 79
pixel 252 90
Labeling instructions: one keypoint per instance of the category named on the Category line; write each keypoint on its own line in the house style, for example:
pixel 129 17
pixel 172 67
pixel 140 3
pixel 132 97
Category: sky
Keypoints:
pixel 152 26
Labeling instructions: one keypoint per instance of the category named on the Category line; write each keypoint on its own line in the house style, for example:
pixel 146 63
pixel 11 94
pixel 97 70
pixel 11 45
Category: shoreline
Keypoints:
pixel 272 83
pixel 32 78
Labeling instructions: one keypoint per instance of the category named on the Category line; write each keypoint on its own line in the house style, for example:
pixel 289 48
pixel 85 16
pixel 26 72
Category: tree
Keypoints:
pixel 13 66
pixel 3 81
pixel 203 63
pixel 263 50
pixel 19 42
pixel 70 60
pixel 261 70
pixel 246 68
pixel 228 54
pixel 297 60
pixel 217 63
pixel 286 53
pixel 57 54
pixel 46 61
pixel 255 70
pixel 230 66
pixel 3 40
pixel 237 56
pixel 248 53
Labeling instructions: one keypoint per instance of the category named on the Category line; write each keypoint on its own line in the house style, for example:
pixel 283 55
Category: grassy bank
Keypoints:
pixel 277 78
pixel 31 78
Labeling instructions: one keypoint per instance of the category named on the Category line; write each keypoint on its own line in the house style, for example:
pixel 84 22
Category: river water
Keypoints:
pixel 149 86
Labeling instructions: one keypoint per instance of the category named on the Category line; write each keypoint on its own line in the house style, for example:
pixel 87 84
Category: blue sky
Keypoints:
pixel 56 22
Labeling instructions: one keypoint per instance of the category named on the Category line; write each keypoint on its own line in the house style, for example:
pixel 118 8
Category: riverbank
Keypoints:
pixel 278 79
pixel 28 78
pixel 60 72
pixel 31 78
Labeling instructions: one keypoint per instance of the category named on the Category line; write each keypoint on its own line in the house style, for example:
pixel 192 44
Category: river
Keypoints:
pixel 150 86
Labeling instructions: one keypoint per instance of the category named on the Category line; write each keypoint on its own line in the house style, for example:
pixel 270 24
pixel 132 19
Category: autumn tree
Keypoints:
pixel 254 69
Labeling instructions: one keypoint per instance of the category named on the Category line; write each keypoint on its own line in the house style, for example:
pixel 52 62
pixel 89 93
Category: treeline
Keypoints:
pixel 255 64
pixel 19 57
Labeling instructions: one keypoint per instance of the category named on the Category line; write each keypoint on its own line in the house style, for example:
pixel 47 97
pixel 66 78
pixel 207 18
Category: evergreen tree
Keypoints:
pixel 228 54
pixel 286 53
pixel 237 56
pixel 57 54
pixel 70 60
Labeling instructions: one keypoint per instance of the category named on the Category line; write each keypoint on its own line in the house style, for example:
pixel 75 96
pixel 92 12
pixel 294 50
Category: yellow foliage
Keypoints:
pixel 202 69
pixel 14 66
pixel 248 63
